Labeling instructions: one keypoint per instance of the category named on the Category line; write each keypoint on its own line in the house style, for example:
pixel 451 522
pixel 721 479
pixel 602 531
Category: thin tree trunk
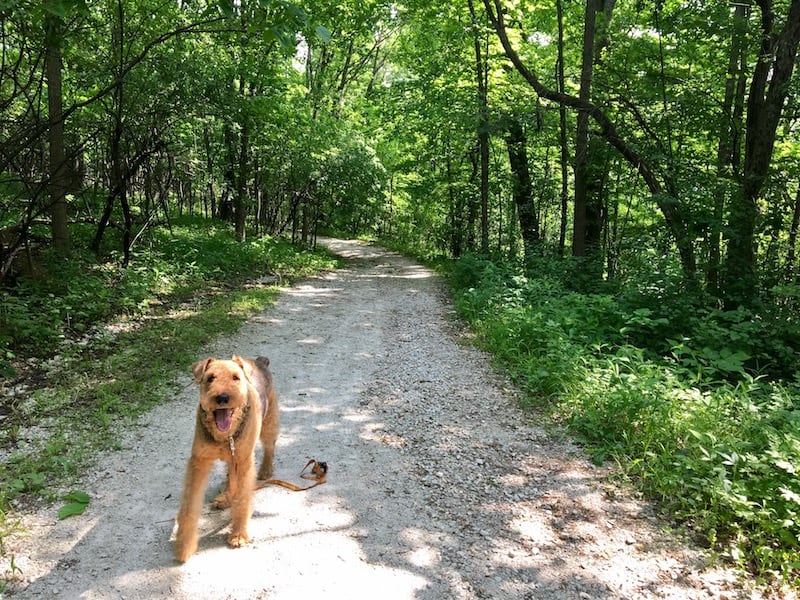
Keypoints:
pixel 210 173
pixel 59 174
pixel 523 188
pixel 240 200
pixel 729 146
pixel 791 256
pixel 483 127
pixel 562 128
pixel 580 218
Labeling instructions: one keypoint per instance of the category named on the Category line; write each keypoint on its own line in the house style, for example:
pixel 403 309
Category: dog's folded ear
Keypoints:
pixel 246 365
pixel 199 368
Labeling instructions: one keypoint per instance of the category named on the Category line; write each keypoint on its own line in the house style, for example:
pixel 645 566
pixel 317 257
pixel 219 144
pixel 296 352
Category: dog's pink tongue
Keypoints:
pixel 223 417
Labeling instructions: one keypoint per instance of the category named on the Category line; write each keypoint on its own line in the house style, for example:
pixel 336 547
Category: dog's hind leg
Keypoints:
pixel 223 499
pixel 269 435
pixel 191 505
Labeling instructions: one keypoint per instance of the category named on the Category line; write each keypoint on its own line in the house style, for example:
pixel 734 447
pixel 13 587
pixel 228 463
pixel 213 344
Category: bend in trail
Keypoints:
pixel 439 485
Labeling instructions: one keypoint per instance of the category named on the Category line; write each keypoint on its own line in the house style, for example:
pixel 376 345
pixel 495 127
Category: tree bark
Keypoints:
pixel 729 145
pixel 579 217
pixel 240 198
pixel 791 255
pixel 59 175
pixel 562 128
pixel 483 127
pixel 523 187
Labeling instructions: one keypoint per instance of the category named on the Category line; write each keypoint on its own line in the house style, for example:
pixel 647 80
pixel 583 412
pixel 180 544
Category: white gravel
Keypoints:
pixel 440 486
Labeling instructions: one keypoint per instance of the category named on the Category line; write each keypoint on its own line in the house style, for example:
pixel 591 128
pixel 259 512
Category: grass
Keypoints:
pixel 184 289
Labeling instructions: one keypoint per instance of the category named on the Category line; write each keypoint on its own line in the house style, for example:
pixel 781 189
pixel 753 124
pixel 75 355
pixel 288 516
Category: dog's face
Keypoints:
pixel 223 391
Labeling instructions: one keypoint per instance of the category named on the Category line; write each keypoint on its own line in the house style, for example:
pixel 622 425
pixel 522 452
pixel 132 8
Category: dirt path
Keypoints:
pixel 439 486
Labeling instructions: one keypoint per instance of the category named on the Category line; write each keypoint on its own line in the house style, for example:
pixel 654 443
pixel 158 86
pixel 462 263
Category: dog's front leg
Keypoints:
pixel 241 480
pixel 191 505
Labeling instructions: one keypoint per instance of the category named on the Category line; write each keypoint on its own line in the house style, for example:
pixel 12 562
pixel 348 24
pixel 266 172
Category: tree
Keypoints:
pixel 482 84
pixel 673 215
pixel 765 103
pixel 522 185
pixel 58 167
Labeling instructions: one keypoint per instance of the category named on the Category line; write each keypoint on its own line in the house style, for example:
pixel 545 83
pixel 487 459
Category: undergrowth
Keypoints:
pixel 699 406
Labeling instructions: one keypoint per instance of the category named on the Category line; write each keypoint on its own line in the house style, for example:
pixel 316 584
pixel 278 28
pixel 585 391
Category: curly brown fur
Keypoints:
pixel 238 402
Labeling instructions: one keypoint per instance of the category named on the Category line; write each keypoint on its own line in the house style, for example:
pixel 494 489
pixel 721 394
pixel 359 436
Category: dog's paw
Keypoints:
pixel 184 548
pixel 237 540
pixel 222 501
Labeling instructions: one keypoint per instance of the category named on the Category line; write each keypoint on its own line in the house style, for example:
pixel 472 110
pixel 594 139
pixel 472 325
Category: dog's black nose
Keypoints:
pixel 222 399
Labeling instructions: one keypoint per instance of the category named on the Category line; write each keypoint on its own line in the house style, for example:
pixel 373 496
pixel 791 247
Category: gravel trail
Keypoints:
pixel 439 485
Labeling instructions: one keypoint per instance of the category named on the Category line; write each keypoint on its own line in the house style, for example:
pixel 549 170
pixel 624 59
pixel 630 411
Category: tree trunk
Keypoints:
pixel 562 129
pixel 240 198
pixel 729 146
pixel 116 177
pixel 791 255
pixel 522 187
pixel 210 173
pixel 481 73
pixel 579 218
pixel 59 175
pixel 768 90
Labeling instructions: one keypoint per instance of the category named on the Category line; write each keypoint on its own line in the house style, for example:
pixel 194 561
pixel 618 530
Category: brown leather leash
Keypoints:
pixel 317 474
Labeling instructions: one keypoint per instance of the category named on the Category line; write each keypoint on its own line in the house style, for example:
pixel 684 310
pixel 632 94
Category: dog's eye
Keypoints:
pixel 210 379
pixel 236 377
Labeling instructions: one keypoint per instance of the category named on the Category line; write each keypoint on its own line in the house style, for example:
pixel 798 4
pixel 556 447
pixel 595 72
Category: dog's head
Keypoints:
pixel 224 387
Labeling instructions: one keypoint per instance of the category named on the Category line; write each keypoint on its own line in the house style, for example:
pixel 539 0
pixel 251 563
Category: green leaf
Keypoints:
pixel 71 509
pixel 77 503
pixel 323 33
pixel 79 497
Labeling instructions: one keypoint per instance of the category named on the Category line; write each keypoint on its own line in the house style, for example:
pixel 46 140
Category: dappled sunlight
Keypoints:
pixel 375 432
pixel 308 290
pixel 437 485
pixel 424 549
pixel 356 418
pixel 409 272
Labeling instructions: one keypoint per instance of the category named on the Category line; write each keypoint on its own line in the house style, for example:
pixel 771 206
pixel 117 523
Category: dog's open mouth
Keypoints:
pixel 223 418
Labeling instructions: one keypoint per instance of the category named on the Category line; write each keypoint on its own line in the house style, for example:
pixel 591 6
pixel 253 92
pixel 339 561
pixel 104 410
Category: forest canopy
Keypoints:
pixel 626 134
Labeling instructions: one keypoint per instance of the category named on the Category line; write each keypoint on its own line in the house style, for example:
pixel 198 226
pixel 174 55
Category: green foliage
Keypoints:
pixel 666 390
pixel 76 504
pixel 8 526
pixel 37 315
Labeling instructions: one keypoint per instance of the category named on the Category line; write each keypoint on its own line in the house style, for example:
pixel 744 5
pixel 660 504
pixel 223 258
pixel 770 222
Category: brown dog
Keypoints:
pixel 238 405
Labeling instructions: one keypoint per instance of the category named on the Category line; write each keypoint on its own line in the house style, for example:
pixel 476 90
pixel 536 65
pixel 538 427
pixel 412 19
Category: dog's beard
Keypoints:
pixel 223 417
